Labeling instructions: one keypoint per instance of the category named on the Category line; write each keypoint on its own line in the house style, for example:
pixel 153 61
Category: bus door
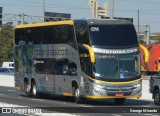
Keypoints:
pixel 44 74
pixel 61 71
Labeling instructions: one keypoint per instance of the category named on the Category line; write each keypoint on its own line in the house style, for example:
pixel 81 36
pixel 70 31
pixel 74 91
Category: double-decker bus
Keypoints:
pixel 85 59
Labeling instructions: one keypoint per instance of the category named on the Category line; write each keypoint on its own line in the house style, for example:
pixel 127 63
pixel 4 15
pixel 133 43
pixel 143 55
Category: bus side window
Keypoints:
pixel 47 35
pixel 62 67
pixel 72 69
pixel 82 33
pixel 40 68
pixel 86 66
pixel 28 35
pixel 57 37
pixel 19 35
pixel 68 33
pixel 36 35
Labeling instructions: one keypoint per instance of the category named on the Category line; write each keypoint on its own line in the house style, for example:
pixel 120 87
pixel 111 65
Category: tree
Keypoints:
pixel 6 43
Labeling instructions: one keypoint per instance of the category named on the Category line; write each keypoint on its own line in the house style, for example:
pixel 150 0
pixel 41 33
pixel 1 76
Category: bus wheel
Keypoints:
pixel 34 90
pixel 26 89
pixel 76 94
pixel 156 97
pixel 119 101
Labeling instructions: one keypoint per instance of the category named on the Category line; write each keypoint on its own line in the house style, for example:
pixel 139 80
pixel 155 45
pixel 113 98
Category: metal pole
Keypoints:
pixel 111 9
pixel 22 18
pixel 147 33
pixel 138 26
pixel 44 10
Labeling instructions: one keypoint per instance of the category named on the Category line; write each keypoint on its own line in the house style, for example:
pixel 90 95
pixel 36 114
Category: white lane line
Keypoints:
pixel 116 115
pixel 11 90
pixel 2 95
pixel 37 100
pixel 86 106
pixel 150 115
pixel 146 106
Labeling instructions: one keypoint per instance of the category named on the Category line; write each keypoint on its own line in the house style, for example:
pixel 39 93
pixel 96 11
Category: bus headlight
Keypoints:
pixel 137 85
pixel 99 86
pixel 96 92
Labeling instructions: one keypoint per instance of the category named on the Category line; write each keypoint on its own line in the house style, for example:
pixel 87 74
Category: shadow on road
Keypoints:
pixel 108 102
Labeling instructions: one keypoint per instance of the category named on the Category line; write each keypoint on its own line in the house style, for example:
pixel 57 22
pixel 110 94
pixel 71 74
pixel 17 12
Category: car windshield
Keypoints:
pixel 113 67
pixel 113 35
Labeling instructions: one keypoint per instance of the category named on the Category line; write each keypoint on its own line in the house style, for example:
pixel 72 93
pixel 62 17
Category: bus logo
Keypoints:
pixel 95 29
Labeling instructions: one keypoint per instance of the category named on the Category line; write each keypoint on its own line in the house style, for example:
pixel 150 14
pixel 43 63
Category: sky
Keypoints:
pixel 149 10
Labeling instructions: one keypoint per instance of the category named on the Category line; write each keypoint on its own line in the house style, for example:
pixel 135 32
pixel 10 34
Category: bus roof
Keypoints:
pixel 69 22
pixel 105 21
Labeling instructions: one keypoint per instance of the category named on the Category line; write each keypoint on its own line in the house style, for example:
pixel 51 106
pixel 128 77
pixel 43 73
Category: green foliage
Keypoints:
pixel 157 37
pixel 6 43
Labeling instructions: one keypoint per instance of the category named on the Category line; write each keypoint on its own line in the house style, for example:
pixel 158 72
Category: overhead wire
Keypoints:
pixel 147 11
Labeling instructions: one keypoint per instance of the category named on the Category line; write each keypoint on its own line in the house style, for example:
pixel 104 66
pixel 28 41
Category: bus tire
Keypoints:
pixel 34 90
pixel 119 101
pixel 156 97
pixel 26 89
pixel 76 95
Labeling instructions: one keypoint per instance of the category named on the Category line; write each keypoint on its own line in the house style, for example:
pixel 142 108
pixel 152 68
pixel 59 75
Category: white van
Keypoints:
pixel 8 64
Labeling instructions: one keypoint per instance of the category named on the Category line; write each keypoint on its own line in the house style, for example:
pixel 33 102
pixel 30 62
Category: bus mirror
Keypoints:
pixel 73 71
pixel 91 52
pixel 73 68
pixel 146 53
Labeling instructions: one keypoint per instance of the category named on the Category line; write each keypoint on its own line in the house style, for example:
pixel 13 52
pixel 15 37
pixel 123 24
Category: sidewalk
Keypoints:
pixel 7 81
pixel 144 77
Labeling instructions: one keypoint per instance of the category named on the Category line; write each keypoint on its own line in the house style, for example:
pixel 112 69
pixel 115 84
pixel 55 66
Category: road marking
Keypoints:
pixel 37 100
pixel 86 106
pixel 145 106
pixel 2 95
pixel 116 115
pixel 150 115
pixel 11 90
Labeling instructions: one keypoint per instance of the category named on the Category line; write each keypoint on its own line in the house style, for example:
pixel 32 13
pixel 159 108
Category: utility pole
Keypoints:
pixel 111 9
pixel 147 33
pixel 138 26
pixel 44 4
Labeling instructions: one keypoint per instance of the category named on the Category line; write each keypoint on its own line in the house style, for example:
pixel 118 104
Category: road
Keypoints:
pixel 66 105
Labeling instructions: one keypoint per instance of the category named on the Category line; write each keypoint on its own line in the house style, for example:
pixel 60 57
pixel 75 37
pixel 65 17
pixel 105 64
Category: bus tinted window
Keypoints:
pixel 64 34
pixel 36 35
pixel 55 34
pixel 82 33
pixel 86 66
pixel 19 35
pixel 113 35
pixel 47 35
pixel 40 66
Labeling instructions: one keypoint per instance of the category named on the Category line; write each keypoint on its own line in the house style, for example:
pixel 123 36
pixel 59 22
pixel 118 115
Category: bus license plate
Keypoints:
pixel 119 94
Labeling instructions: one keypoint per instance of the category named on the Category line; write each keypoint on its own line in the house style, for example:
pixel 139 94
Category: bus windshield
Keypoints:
pixel 113 35
pixel 116 67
